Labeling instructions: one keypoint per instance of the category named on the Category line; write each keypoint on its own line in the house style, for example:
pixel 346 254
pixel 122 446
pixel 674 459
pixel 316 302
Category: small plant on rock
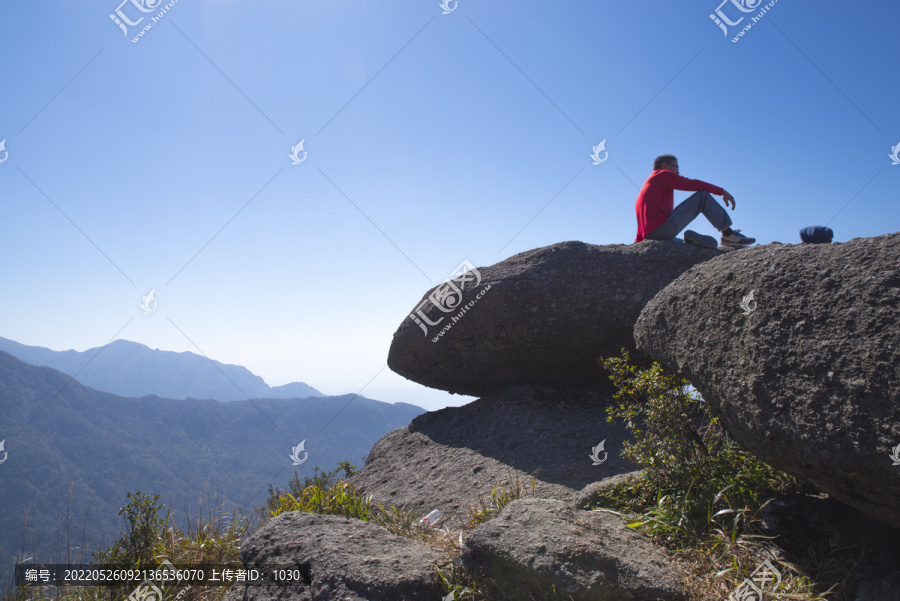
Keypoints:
pixel 695 478
pixel 700 493
pixel 500 497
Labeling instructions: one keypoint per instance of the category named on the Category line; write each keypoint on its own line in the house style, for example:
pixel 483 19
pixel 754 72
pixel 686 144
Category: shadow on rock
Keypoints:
pixel 446 459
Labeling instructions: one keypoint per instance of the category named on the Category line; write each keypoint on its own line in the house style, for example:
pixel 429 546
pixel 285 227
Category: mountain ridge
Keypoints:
pixel 131 369
pixel 66 439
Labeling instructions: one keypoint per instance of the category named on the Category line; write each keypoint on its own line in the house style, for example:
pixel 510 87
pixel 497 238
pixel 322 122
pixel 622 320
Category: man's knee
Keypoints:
pixel 706 197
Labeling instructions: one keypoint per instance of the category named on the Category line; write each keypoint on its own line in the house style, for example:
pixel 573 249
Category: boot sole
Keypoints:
pixel 700 240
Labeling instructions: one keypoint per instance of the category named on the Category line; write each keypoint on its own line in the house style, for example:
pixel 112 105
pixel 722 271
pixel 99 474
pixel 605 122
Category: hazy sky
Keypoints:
pixel 163 163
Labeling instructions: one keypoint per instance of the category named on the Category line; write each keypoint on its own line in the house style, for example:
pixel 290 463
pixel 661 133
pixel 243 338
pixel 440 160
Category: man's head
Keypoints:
pixel 666 161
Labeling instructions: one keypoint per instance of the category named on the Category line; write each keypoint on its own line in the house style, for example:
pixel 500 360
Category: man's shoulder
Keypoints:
pixel 661 177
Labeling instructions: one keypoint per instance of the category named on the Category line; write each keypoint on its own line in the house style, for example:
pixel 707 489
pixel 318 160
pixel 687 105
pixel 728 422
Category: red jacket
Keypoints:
pixel 656 199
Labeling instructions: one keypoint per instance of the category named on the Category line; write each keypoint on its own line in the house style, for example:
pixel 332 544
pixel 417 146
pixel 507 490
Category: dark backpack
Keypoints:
pixel 816 234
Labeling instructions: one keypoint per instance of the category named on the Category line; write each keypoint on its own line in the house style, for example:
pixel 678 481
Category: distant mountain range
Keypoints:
pixel 62 436
pixel 131 369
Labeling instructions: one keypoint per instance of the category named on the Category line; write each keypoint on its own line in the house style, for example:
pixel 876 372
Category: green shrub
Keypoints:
pixel 339 498
pixel 144 533
pixel 696 478
pixel 279 501
pixel 324 493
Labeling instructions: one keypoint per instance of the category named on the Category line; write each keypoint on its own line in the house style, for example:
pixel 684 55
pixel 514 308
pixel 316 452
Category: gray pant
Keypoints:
pixel 687 211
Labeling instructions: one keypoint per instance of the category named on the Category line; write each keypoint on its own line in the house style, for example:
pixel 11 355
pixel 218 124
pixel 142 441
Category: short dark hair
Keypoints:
pixel 664 158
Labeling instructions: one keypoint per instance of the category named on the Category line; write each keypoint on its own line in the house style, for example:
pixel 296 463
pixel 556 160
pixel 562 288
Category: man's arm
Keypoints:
pixel 728 198
pixel 678 182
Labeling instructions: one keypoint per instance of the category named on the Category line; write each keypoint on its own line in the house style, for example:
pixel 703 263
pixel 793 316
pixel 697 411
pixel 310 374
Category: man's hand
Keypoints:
pixel 729 198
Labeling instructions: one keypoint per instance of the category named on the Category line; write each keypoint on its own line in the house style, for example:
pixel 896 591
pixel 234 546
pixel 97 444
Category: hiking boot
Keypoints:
pixel 700 240
pixel 737 239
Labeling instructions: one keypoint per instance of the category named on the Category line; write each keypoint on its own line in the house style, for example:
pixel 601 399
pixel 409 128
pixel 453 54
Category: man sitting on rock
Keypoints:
pixel 657 220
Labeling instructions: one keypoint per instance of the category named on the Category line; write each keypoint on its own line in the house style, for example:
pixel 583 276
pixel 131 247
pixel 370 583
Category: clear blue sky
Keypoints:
pixel 431 139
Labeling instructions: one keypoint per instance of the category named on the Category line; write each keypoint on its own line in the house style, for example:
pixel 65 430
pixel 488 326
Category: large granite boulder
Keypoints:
pixel 798 349
pixel 540 317
pixel 338 558
pixel 449 458
pixel 544 549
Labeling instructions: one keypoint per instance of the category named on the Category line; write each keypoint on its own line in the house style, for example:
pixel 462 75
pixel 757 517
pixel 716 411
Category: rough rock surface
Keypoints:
pixel 340 559
pixel 884 589
pixel 536 545
pixel 548 315
pixel 593 493
pixel 807 374
pixel 445 459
